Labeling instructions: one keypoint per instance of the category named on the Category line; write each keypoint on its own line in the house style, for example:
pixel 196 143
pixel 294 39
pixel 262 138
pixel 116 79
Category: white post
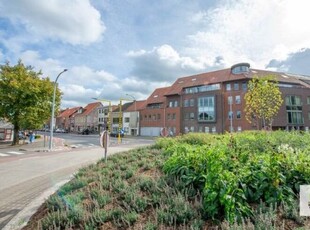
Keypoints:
pixel 53 111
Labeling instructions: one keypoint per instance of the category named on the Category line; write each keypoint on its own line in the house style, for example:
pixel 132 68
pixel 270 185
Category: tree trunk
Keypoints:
pixel 16 137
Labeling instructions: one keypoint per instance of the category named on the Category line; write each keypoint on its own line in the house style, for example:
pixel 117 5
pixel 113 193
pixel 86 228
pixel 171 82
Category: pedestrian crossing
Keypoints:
pixel 7 153
pixel 11 153
pixel 83 145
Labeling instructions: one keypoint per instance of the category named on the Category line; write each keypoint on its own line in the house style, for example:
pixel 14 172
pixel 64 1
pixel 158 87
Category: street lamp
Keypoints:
pixel 134 99
pixel 53 110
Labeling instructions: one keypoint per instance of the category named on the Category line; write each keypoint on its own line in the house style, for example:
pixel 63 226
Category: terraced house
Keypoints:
pixel 213 102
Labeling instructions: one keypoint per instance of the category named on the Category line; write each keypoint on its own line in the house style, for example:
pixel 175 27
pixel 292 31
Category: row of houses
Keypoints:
pixel 211 102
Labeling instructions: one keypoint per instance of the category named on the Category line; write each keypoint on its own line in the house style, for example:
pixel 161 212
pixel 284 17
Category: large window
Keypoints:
pixel 192 102
pixel 244 86
pixel 186 103
pixel 238 99
pixel 202 88
pixel 228 87
pixel 236 86
pixel 206 108
pixel 294 109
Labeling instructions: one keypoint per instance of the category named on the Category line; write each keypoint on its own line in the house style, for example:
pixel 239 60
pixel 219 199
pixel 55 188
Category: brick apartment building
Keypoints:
pixel 213 102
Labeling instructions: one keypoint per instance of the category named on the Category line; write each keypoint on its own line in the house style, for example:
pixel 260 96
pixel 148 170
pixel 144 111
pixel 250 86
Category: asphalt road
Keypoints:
pixel 24 179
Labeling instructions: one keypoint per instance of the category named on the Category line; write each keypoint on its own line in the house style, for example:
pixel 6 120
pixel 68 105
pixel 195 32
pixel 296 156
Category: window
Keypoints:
pixel 230 115
pixel 207 129
pixel 203 88
pixel 127 119
pixel 186 103
pixel 206 108
pixel 308 100
pixel 293 100
pixel 192 129
pixel 240 68
pixel 228 87
pixel 238 99
pixel 192 116
pixel 168 116
pixel 192 102
pixel 158 116
pixel 309 116
pixel 171 104
pixel 244 86
pixel 236 86
pixel 173 116
pixel 186 116
pixel 150 117
pixel 213 129
pixel 294 109
pixel 229 100
pixel 200 129
pixel 154 117
pixel 175 103
pixel 238 115
pixel 239 129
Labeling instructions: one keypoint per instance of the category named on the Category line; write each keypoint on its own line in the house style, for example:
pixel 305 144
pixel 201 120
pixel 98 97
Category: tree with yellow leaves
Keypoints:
pixel 263 101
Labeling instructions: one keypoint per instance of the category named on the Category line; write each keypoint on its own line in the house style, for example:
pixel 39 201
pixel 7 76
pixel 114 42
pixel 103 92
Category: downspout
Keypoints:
pixel 223 106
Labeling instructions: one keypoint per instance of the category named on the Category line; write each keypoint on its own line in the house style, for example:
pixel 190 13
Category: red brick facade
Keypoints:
pixel 200 103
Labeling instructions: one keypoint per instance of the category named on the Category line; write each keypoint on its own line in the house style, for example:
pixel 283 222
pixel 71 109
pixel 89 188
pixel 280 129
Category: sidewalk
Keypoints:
pixel 39 145
pixel 38 178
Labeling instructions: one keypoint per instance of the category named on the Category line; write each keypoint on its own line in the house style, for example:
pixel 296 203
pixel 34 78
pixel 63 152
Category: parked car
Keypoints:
pixel 84 132
pixel 60 131
pixel 115 134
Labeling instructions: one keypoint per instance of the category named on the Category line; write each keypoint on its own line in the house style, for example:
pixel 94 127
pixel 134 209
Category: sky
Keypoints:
pixel 116 48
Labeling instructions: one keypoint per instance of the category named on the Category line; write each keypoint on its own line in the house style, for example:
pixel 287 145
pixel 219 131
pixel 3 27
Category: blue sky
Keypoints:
pixel 118 47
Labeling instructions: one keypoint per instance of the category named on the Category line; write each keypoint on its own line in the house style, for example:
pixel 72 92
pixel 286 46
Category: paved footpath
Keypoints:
pixel 26 182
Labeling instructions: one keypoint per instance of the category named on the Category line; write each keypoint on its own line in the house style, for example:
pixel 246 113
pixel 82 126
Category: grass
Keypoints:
pixel 131 191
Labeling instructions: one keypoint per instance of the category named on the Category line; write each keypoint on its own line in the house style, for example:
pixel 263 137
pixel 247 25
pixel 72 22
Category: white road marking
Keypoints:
pixel 4 155
pixel 16 153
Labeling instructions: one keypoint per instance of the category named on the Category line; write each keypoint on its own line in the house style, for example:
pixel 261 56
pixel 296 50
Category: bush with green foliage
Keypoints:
pixel 235 170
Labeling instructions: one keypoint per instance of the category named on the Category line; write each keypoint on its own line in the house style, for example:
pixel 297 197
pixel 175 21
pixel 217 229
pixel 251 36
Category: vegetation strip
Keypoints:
pixel 246 180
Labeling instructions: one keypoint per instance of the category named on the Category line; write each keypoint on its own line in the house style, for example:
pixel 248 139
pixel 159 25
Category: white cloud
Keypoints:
pixel 81 83
pixel 72 21
pixel 253 31
pixel 165 64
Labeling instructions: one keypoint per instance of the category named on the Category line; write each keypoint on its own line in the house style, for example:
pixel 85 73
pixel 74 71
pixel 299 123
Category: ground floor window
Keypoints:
pixel 294 117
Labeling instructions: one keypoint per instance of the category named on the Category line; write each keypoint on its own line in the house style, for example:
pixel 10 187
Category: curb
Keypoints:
pixel 21 219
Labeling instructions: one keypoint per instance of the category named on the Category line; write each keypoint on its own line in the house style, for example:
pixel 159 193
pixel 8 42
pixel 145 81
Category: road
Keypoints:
pixel 24 180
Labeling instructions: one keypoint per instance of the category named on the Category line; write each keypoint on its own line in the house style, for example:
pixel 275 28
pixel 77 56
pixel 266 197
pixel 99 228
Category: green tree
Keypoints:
pixel 25 97
pixel 263 100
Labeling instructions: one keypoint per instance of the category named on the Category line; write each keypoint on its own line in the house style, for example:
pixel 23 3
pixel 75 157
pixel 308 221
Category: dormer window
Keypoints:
pixel 240 68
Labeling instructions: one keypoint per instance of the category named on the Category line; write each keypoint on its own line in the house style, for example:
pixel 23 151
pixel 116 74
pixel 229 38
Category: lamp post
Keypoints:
pixel 134 99
pixel 53 110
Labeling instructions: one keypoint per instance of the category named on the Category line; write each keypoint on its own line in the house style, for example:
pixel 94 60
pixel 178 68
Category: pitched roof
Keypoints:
pixel 136 106
pixel 158 96
pixel 124 107
pixel 89 108
pixel 225 75
pixel 68 112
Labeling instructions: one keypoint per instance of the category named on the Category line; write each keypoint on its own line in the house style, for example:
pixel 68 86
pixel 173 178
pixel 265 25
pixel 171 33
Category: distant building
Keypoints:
pixel 65 120
pixel 87 118
pixel 6 130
